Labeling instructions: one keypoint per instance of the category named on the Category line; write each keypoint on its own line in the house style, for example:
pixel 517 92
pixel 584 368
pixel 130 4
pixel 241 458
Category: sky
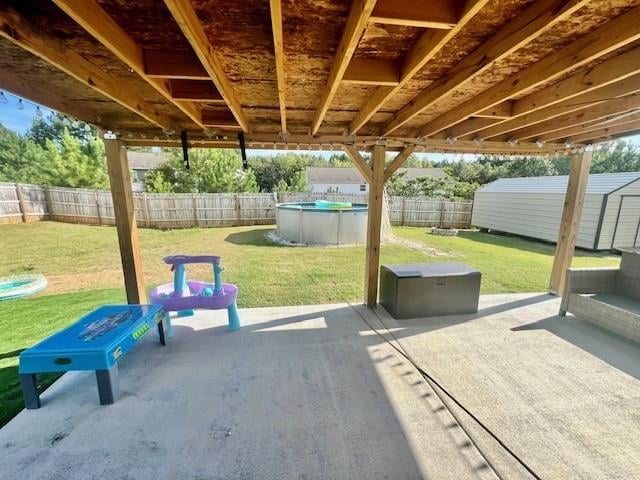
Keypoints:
pixel 19 120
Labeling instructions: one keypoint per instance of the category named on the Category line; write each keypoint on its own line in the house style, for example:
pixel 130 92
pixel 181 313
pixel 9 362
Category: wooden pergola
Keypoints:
pixel 539 77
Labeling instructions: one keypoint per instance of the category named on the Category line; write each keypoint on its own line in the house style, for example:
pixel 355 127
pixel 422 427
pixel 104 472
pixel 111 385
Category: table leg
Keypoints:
pixel 30 390
pixel 233 317
pixel 161 332
pixel 108 385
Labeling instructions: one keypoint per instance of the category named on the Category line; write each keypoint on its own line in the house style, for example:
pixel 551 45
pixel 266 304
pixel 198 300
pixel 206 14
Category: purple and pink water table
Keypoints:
pixel 183 296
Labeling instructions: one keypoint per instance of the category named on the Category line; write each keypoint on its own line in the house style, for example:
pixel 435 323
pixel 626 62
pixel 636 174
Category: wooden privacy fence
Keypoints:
pixel 31 203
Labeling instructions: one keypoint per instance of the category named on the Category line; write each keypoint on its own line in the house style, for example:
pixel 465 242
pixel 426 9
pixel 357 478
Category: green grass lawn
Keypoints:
pixel 82 265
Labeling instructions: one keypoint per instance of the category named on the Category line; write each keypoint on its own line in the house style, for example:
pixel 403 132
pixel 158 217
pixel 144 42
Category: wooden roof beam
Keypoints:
pixel 90 16
pixel 615 34
pixel 366 71
pixel 467 127
pixel 34 40
pixel 356 24
pixel 173 64
pixel 587 127
pixel 606 73
pixel 551 128
pixel 278 49
pixel 44 96
pixel 589 99
pixel 616 137
pixel 626 125
pixel 427 46
pixel 501 111
pixel 539 17
pixel 186 18
pixel 439 14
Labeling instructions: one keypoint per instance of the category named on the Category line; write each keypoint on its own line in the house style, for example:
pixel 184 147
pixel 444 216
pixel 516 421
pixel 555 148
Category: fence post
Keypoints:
pixel 47 198
pixel 98 208
pixel 403 206
pixel 238 211
pixel 441 213
pixel 21 205
pixel 194 203
pixel 145 207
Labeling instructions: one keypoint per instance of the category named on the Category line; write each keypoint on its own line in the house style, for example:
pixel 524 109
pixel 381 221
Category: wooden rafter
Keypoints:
pixel 440 14
pixel 90 16
pixel 398 161
pixel 615 34
pixel 592 126
pixel 43 96
pixel 427 46
pixel 551 128
pixel 610 71
pixel 626 125
pixel 356 24
pixel 610 137
pixel 278 49
pixel 502 110
pixel 186 18
pixel 621 88
pixel 535 20
pixel 467 127
pixel 17 30
pixel 360 163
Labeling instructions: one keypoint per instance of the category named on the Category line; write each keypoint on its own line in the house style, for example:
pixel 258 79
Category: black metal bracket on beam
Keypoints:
pixel 185 149
pixel 243 150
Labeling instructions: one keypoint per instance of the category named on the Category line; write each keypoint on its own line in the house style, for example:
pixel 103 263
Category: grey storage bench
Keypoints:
pixel 608 297
pixel 429 289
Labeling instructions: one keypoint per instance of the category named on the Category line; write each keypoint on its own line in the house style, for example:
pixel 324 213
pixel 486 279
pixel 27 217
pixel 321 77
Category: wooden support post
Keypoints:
pixel 374 225
pixel 125 219
pixel 573 202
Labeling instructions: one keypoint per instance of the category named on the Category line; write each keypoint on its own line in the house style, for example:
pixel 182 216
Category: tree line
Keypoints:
pixel 63 152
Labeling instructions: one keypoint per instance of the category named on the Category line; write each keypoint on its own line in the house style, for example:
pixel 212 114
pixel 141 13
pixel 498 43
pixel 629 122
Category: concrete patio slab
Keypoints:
pixel 312 392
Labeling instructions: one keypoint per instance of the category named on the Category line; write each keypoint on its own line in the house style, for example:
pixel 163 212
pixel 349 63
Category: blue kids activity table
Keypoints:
pixel 95 342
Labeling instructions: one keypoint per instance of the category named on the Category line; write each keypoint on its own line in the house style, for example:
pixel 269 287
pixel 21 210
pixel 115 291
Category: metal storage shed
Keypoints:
pixel 532 207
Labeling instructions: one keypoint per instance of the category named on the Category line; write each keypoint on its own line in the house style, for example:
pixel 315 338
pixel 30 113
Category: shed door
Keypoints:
pixel 626 234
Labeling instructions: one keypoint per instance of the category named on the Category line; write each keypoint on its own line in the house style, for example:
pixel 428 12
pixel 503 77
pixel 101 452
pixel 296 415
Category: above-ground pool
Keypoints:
pixel 322 223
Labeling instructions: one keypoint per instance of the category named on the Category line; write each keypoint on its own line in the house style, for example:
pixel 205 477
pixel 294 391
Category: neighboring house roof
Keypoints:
pixel 335 175
pixel 145 160
pixel 599 183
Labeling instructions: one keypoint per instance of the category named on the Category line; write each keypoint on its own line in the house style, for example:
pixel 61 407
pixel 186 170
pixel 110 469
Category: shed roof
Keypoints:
pixel 333 71
pixel 599 183
pixel 338 175
pixel 145 160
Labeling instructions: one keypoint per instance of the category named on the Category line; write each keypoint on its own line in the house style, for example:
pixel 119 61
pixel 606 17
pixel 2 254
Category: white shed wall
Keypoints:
pixel 611 214
pixel 338 187
pixel 535 215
